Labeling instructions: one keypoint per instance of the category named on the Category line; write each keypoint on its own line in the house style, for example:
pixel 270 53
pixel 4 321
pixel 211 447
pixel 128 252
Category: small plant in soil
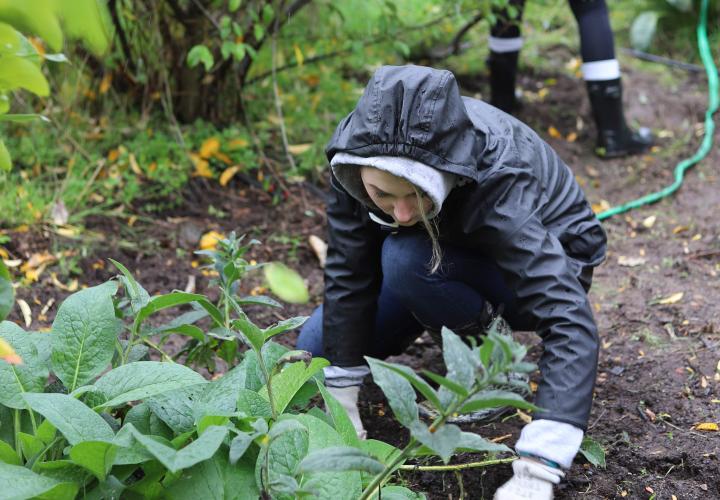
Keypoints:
pixel 85 414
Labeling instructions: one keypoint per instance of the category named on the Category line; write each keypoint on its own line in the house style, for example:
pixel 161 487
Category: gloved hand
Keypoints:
pixel 531 481
pixel 348 398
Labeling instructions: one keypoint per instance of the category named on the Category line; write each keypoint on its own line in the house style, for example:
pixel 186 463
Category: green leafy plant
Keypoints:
pixel 667 19
pixel 20 59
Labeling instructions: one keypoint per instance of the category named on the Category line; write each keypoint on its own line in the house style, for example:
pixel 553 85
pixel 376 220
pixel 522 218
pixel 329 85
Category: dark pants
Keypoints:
pixel 411 299
pixel 596 36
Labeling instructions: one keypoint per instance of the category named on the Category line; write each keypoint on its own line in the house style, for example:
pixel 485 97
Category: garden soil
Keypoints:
pixel 655 298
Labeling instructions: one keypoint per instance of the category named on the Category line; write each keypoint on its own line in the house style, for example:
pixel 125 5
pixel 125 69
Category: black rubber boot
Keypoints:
pixel 615 138
pixel 503 70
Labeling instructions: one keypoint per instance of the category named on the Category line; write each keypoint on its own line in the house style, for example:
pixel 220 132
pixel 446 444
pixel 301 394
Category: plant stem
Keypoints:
pixel 18 450
pixel 158 349
pixel 36 459
pixel 456 467
pixel 380 478
pixel 268 379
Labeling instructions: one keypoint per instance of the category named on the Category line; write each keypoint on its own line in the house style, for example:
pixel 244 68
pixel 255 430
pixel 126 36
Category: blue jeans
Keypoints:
pixel 412 300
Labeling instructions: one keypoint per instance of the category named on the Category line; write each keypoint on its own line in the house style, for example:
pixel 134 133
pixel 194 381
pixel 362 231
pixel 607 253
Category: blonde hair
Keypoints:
pixel 431 226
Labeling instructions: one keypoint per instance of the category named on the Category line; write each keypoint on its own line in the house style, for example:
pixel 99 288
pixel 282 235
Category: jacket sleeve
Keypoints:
pixel 353 278
pixel 507 217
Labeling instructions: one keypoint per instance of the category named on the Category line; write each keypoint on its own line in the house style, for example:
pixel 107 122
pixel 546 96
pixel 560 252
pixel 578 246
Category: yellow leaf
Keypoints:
pixel 542 93
pixel 672 299
pixel 4 254
pixel 707 426
pixel 25 310
pixel 202 167
pixel 134 165
pixel 571 137
pixel 38 44
pixel 105 83
pixel 602 206
pixel 237 144
pixel 649 222
pixel 210 146
pixel 228 174
pixel 679 229
pixel 298 55
pixel 222 157
pixel 210 240
pixel 8 354
pixel 113 155
pixel 298 149
pixel 554 133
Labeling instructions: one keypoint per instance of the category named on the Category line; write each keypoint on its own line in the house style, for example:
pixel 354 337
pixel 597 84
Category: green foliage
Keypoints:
pixel 7 293
pixel 20 59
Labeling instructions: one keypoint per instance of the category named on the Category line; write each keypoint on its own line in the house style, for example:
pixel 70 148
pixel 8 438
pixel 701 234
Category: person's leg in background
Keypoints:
pixel 505 43
pixel 601 72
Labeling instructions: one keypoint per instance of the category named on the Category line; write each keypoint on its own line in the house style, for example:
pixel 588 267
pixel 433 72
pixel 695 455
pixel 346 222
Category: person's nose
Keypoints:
pixel 404 210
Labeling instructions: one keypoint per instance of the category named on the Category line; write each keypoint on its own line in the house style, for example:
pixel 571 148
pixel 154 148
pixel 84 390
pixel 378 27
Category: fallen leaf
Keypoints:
pixel 237 144
pixel 571 137
pixel 209 147
pixel 202 167
pixel 319 248
pixel 707 426
pixel 631 261
pixel 554 133
pixel 601 206
pixel 672 299
pixel 210 240
pixel 649 222
pixel 679 229
pixel 228 174
pixel 8 354
pixel 105 83
pixel 134 165
pixel 298 149
pixel 500 439
pixel 524 416
pixel 72 285
pixel 26 312
pixel 298 55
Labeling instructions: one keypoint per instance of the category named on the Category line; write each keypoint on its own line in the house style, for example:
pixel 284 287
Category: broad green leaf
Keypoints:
pixel 253 404
pixel 419 384
pixel 139 297
pixel 63 470
pixel 470 442
pixel 87 20
pixel 172 299
pixel 593 452
pixel 8 455
pixel 146 422
pixel 253 334
pixel 6 165
pixel 286 283
pixel 184 319
pixel 260 300
pixel 30 445
pixel 399 392
pixel 681 5
pixel 189 330
pixel 84 334
pixel 339 459
pixel 398 493
pixel 27 17
pixel 335 485
pixel 443 441
pixel 199 450
pixel 381 450
pixel 72 418
pixel 643 29
pixel 216 478
pixel 284 326
pixel 129 450
pixel 27 484
pixel 459 359
pixel 46 432
pixel 19 72
pixel 177 408
pixel 283 455
pixel 239 445
pixel 447 383
pixel 342 423
pixel 143 379
pixel 7 294
pixel 30 376
pixel 289 381
pixel 496 399
pixel 200 54
pixel 96 456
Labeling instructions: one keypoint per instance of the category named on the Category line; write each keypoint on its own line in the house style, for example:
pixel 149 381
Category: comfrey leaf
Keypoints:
pixel 398 391
pixel 443 440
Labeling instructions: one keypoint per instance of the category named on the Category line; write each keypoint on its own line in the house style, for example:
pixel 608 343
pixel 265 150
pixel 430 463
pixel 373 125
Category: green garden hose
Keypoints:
pixel 705 146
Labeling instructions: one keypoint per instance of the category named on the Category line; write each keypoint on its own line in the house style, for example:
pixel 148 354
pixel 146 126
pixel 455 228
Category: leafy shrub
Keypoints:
pixel 149 428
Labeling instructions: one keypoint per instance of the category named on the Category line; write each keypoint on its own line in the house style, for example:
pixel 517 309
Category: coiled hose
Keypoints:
pixel 705 146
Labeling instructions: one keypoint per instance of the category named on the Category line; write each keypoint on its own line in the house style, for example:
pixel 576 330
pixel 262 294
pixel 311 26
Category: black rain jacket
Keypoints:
pixel 521 206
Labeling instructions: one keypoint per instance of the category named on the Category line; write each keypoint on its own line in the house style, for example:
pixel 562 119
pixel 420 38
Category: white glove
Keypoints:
pixel 531 481
pixel 348 398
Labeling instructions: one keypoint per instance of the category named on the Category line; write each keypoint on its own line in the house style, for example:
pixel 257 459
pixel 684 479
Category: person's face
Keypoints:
pixel 394 196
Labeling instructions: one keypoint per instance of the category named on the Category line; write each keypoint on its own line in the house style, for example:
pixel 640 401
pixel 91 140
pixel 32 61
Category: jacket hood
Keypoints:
pixel 414 112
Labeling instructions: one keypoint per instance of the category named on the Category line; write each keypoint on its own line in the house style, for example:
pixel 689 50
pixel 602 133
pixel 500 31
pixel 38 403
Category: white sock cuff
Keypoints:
pixel 556 441
pixel 501 45
pixel 608 69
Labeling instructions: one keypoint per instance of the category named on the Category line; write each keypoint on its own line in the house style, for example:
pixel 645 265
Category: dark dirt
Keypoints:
pixel 658 375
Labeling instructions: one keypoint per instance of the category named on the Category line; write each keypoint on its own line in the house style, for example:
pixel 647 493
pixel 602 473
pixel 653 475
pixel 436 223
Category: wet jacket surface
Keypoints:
pixel 520 205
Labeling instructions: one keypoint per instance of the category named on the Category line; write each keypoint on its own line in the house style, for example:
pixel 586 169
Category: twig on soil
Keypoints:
pixel 597 419
pixel 457 467
pixel 704 255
